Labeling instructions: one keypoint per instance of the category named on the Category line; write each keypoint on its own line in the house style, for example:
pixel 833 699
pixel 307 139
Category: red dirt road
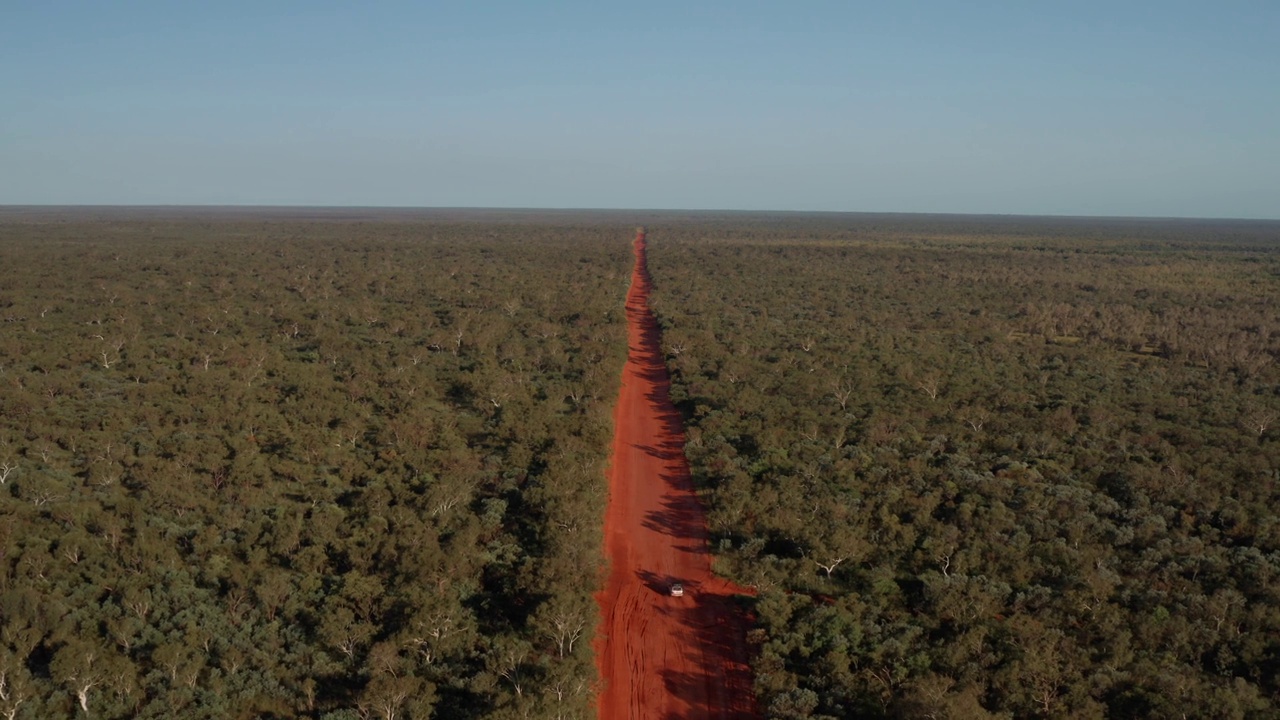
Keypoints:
pixel 661 657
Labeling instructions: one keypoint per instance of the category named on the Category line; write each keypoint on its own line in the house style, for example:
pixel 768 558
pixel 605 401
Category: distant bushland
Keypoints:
pixel 257 466
pixel 988 467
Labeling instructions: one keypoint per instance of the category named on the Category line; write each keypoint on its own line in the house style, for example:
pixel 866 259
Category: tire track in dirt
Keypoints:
pixel 662 657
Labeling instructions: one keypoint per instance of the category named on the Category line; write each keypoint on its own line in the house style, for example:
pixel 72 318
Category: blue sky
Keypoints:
pixel 1117 108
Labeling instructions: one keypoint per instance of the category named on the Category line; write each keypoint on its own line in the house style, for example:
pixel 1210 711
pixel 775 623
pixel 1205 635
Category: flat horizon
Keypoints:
pixel 178 207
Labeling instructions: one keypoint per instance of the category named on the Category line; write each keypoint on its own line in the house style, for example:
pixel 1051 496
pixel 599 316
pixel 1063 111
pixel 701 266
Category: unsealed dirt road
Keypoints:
pixel 662 657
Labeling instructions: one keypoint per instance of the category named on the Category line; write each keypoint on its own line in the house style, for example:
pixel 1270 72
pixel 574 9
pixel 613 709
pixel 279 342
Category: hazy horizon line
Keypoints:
pixel 558 209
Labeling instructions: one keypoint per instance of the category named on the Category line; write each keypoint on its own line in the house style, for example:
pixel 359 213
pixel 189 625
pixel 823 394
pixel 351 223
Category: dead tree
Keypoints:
pixel 1260 420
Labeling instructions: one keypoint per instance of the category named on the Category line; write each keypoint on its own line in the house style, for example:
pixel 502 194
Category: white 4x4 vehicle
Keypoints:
pixel 677 590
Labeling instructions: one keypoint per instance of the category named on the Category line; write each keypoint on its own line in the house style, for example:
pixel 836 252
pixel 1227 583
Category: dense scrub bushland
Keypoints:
pixel 989 470
pixel 327 469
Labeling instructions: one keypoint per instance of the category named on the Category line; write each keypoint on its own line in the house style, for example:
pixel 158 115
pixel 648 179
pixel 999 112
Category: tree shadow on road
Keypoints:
pixel 721 686
pixel 681 517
